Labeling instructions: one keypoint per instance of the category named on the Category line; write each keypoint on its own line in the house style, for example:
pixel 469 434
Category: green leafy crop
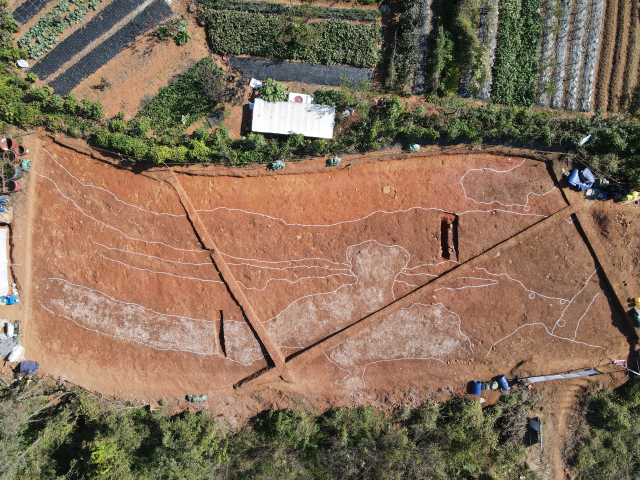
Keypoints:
pixel 516 61
pixel 330 42
pixel 43 36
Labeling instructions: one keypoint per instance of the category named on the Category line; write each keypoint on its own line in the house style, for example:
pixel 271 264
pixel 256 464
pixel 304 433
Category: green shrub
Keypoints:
pixel 183 102
pixel 403 59
pixel 118 126
pixel 609 448
pixel 272 91
pixel 40 94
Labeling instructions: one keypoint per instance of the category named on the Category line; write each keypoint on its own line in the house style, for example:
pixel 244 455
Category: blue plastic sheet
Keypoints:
pixel 577 179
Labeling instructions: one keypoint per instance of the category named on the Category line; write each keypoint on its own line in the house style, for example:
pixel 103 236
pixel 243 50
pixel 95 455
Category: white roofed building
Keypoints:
pixel 311 120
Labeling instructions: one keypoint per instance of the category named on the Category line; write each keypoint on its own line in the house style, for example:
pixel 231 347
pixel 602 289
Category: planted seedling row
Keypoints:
pixel 99 56
pixel 575 57
pixel 564 25
pixel 591 57
pixel 80 39
pixel 487 34
pixel 28 10
pixel 550 20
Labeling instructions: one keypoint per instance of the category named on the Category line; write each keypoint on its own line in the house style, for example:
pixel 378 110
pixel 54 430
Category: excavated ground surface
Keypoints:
pixel 121 298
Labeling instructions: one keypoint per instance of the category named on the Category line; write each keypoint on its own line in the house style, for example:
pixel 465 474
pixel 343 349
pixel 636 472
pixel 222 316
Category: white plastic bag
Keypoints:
pixel 17 354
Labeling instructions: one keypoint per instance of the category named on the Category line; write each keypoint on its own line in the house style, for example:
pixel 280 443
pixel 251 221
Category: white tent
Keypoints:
pixel 285 118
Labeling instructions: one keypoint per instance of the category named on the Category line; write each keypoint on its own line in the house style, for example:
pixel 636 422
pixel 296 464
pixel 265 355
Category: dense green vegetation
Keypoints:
pixel 455 45
pixel 184 101
pixel 272 91
pixel 516 61
pixel 609 446
pixel 404 54
pixel 51 432
pixel 304 11
pixel 44 34
pixel 281 37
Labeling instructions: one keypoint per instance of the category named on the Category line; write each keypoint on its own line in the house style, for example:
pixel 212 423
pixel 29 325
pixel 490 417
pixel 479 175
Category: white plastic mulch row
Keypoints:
pixel 487 33
pixel 591 58
pixel 575 57
pixel 547 44
pixel 564 26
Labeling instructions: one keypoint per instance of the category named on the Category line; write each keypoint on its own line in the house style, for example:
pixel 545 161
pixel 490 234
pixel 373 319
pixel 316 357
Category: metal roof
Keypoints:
pixel 288 117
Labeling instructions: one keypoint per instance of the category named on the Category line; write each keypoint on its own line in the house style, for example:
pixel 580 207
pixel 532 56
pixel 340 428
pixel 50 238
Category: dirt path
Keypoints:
pixel 607 51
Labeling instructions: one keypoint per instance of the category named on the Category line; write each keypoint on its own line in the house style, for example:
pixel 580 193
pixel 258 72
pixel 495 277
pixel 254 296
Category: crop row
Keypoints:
pixel 575 55
pixel 487 35
pixel 564 25
pixel 405 50
pixel 280 37
pixel 591 57
pixel 546 52
pixel 516 61
pixel 419 79
pixel 46 31
pixel 112 46
pixel 306 11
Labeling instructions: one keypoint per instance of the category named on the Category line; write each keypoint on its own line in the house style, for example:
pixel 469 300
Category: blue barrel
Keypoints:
pixel 504 383
pixel 476 388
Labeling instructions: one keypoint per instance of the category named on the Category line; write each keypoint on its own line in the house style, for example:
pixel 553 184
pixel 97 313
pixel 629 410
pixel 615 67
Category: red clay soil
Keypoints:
pixel 620 57
pixel 123 300
pixel 607 51
pixel 618 227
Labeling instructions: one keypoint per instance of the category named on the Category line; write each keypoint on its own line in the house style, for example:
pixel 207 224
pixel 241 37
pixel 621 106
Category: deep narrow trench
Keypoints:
pixel 221 335
pixel 449 236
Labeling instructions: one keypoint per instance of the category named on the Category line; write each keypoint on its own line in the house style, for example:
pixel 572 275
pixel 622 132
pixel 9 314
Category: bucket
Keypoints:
pixel 11 172
pixel 475 387
pixel 21 150
pixel 8 144
pixel 504 383
pixel 14 186
pixel 10 156
pixel 635 317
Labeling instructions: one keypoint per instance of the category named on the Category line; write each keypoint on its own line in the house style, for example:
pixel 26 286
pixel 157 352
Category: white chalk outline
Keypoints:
pixel 114 228
pixel 433 305
pixel 161 273
pixel 525 206
pixel 343 369
pixel 556 323
pixel 131 303
pixel 110 193
pixel 561 300
pixel 147 345
pixel 209 263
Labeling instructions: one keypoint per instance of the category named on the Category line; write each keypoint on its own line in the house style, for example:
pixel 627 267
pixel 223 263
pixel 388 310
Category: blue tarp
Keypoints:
pixel 29 366
pixel 583 180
